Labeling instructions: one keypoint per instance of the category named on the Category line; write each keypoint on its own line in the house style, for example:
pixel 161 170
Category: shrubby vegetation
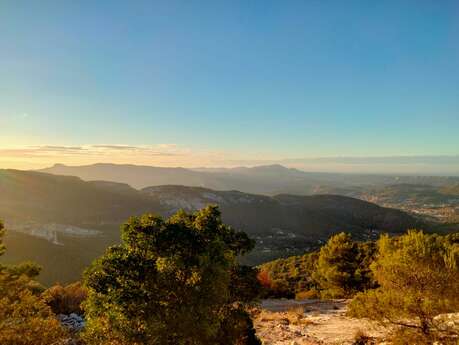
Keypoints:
pixel 174 281
pixel 66 299
pixel 418 277
pixel 406 281
pixel 25 318
pixel 289 277
pixel 338 270
pixel 342 267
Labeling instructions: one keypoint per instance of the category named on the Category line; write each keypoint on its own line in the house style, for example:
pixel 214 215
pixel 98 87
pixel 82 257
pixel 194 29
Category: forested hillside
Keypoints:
pixel 63 211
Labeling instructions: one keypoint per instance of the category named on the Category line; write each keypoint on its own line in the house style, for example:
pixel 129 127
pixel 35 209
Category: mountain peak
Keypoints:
pixel 272 167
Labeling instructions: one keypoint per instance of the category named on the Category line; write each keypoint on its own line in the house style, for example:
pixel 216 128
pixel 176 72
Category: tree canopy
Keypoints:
pixel 343 266
pixel 172 281
pixel 418 276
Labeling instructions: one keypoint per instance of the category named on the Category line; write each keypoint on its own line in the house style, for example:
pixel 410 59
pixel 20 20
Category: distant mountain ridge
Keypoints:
pixel 135 175
pixel 268 180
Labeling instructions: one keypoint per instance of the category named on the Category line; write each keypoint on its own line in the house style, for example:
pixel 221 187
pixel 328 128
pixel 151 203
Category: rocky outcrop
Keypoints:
pixel 72 322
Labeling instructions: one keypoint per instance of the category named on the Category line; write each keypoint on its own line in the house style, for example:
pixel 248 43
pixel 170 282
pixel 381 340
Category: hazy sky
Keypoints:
pixel 206 83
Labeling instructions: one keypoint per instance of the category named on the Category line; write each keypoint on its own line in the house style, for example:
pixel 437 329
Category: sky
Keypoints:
pixel 320 85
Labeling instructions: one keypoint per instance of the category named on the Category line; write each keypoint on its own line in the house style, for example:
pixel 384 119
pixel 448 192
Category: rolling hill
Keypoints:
pixel 62 220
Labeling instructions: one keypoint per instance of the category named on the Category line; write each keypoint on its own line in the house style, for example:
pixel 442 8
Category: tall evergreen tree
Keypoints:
pixel 343 266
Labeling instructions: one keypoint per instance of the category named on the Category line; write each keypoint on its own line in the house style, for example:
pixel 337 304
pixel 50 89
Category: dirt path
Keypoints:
pixel 311 322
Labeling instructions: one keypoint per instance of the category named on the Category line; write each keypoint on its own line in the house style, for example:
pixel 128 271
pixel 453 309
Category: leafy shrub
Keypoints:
pixel 24 317
pixel 65 299
pixel 264 279
pixel 418 276
pixel 237 328
pixel 174 281
pixel 309 294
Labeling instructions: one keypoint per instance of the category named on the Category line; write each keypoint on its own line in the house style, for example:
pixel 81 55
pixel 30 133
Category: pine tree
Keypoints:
pixel 418 276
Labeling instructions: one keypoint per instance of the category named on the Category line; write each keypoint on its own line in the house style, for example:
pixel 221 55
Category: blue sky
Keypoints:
pixel 209 81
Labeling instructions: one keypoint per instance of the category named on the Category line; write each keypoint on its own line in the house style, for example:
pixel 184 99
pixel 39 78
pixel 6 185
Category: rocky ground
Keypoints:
pixel 311 322
pixel 73 322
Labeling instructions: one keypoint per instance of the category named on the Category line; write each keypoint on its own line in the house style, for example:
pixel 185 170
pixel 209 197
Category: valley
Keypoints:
pixel 437 203
pixel 55 219
pixel 435 198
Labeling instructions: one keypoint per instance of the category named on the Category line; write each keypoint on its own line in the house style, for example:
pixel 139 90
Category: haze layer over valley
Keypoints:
pixel 266 179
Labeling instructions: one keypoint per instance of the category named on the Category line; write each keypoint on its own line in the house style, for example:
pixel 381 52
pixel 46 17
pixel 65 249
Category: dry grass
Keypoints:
pixel 403 336
pixel 321 324
pixel 293 316
pixel 309 294
pixel 361 338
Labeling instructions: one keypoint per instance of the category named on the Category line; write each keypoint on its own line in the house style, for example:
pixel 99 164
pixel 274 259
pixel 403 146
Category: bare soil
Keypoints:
pixel 312 322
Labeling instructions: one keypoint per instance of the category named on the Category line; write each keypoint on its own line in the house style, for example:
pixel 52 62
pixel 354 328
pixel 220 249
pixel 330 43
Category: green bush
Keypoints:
pixel 174 281
pixel 418 276
pixel 339 269
pixel 286 277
